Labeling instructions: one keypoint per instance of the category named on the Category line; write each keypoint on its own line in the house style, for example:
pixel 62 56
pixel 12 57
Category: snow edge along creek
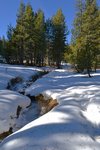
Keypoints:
pixel 68 126
pixel 14 84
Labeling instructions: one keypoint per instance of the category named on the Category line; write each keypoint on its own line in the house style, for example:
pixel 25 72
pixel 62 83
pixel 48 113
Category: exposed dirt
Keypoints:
pixel 46 104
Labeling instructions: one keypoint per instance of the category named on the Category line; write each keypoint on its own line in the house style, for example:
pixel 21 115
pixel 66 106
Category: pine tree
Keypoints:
pixel 86 40
pixel 78 21
pixel 29 34
pixel 1 47
pixel 40 43
pixel 49 41
pixel 20 32
pixel 59 37
pixel 90 33
pixel 77 32
pixel 9 52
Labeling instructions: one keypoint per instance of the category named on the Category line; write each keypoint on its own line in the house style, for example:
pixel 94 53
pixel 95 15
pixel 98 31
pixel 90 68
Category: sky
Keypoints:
pixel 9 9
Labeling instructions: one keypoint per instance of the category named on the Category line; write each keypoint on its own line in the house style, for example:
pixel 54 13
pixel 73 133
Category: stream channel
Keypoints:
pixel 37 108
pixel 33 111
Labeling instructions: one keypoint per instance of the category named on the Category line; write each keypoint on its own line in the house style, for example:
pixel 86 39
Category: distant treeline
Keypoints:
pixel 34 40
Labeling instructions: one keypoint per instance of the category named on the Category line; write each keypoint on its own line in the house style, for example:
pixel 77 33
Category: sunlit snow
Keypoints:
pixel 72 125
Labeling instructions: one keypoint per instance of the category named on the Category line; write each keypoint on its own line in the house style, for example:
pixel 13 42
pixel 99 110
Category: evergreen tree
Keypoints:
pixel 1 47
pixel 49 41
pixel 77 32
pixel 78 21
pixel 40 43
pixel 9 52
pixel 91 33
pixel 86 40
pixel 19 33
pixel 4 46
pixel 29 34
pixel 59 37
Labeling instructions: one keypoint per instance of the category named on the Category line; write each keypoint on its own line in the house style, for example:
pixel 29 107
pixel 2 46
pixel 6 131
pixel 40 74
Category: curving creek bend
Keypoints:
pixel 33 111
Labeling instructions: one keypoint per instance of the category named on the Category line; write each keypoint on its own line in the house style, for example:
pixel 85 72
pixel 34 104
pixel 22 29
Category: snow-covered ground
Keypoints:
pixel 8 72
pixel 9 100
pixel 9 103
pixel 72 125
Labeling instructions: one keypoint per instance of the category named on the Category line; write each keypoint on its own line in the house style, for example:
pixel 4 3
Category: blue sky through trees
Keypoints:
pixel 9 8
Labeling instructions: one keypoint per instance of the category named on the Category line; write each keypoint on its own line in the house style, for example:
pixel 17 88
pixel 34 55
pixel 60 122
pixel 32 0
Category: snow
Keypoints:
pixel 8 72
pixel 27 115
pixel 72 125
pixel 9 102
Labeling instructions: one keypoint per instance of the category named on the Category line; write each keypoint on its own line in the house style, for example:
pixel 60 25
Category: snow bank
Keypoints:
pixel 72 125
pixel 9 102
pixel 8 72
pixel 92 112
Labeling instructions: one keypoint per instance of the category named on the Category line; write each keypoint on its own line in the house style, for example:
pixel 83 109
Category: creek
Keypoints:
pixel 33 111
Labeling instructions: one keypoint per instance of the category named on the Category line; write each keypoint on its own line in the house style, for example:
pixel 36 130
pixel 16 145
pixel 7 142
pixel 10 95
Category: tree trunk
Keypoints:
pixel 88 71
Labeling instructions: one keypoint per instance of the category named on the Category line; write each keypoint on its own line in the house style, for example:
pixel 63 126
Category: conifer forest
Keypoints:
pixel 38 41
